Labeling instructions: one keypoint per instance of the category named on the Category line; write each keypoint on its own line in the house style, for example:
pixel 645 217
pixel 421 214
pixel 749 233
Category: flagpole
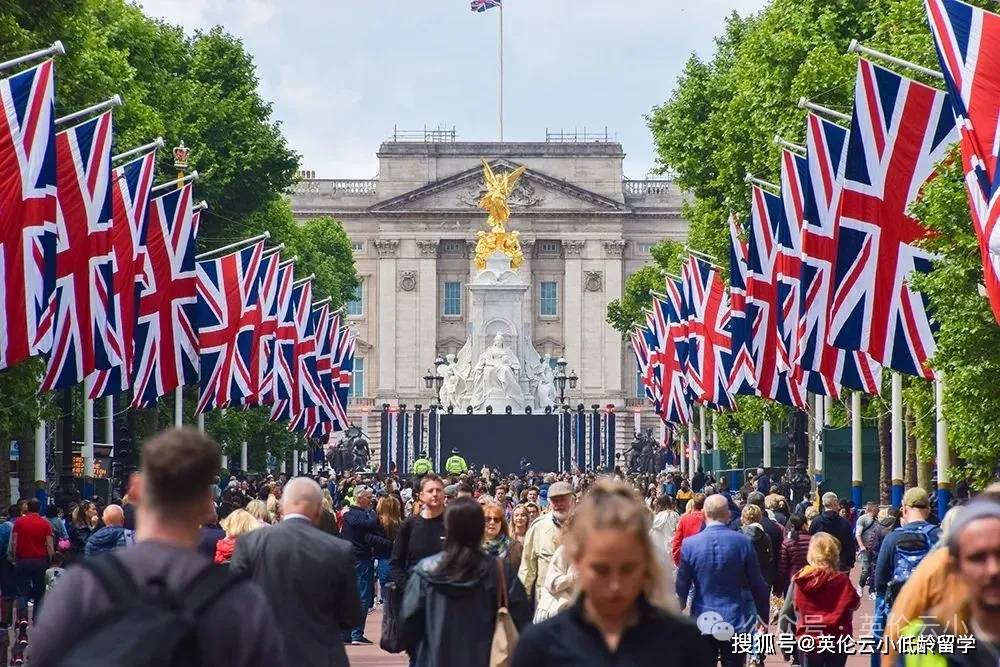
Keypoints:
pixel 501 73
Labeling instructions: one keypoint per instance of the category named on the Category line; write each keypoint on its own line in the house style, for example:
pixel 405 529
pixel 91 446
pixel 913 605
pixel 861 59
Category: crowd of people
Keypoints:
pixel 474 567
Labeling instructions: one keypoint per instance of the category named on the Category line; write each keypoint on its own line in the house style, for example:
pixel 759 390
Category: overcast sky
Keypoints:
pixel 342 73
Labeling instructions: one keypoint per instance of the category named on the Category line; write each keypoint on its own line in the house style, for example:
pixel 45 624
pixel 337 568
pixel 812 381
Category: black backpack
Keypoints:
pixel 147 626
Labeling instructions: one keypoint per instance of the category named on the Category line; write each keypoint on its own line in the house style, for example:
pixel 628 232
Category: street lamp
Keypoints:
pixel 562 379
pixel 433 380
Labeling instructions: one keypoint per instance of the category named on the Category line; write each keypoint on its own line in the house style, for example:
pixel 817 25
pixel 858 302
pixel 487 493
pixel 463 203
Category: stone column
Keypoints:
pixel 614 253
pixel 428 287
pixel 385 319
pixel 571 306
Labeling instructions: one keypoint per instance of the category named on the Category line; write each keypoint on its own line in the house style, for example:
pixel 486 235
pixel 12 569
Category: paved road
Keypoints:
pixel 373 656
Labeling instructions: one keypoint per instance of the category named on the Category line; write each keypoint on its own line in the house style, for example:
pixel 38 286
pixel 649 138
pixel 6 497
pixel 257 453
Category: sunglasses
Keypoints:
pixel 497 519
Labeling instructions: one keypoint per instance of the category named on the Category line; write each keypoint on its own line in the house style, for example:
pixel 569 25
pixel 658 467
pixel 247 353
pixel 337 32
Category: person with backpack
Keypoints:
pixel 159 602
pixel 901 552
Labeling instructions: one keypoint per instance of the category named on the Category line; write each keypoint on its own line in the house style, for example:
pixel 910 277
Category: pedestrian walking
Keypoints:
pixel 307 576
pixel 170 493
pixel 623 615
pixel 449 608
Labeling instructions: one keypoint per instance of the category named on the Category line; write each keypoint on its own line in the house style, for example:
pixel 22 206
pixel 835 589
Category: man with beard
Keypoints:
pixel 974 546
pixel 542 538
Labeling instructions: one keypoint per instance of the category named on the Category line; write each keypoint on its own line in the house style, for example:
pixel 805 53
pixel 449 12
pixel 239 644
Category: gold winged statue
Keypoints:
pixel 494 202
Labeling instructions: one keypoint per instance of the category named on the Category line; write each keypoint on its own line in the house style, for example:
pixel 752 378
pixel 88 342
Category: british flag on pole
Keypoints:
pixel 226 315
pixel 130 192
pixel 28 193
pixel 640 347
pixel 166 342
pixel 482 5
pixel 968 46
pixel 275 327
pixel 763 303
pixel 80 318
pixel 899 131
pixel 741 376
pixel 829 365
pixel 709 338
pixel 676 408
pixel 344 365
pixel 320 418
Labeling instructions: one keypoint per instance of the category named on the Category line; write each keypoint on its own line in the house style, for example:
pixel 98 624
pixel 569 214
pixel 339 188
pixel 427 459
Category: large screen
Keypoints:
pixel 501 440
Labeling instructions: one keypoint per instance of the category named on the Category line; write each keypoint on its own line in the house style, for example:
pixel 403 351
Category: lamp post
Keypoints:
pixel 562 379
pixel 433 380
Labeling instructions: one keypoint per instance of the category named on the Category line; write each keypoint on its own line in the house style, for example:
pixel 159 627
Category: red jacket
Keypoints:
pixel 224 549
pixel 690 524
pixel 825 601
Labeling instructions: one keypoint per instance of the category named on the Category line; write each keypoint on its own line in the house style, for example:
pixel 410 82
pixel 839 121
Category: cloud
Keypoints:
pixel 343 73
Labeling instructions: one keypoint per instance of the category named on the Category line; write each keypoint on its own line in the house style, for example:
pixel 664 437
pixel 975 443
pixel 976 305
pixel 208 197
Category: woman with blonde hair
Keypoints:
pixel 389 511
pixel 519 523
pixel 623 614
pixel 825 596
pixel 258 510
pixel 239 522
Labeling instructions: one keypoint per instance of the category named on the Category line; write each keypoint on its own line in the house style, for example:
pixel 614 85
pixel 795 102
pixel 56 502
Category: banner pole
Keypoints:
pixel 501 73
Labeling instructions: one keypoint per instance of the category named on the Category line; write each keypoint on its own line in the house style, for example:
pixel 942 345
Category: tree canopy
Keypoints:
pixel 201 89
pixel 718 124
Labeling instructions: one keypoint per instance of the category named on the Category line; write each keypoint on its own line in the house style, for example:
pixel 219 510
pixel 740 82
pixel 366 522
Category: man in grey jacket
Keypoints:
pixel 307 575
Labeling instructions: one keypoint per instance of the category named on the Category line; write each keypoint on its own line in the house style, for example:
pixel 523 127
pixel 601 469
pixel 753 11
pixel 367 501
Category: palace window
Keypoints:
pixel 646 248
pixel 548 299
pixel 358 246
pixel 453 247
pixel 357 389
pixel 452 303
pixel 356 304
pixel 548 248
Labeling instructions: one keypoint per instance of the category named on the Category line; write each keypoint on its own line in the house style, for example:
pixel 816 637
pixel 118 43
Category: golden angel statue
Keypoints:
pixel 494 202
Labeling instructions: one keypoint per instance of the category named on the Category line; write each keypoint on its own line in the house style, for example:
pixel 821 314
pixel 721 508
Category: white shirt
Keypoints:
pixel 293 515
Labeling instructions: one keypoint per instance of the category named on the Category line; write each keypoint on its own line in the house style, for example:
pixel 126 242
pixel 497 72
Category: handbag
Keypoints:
pixel 504 632
pixel 391 640
pixel 63 544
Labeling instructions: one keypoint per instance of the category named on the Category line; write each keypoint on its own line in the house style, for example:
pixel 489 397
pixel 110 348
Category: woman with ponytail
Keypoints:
pixel 622 613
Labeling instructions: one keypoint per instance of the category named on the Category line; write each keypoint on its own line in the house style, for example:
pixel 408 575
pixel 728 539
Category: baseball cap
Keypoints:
pixel 560 489
pixel 916 497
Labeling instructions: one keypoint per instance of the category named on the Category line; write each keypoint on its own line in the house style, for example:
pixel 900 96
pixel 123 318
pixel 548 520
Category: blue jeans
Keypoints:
pixel 363 569
pixel 382 573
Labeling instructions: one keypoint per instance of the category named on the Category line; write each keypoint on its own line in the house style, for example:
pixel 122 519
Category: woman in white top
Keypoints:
pixel 664 522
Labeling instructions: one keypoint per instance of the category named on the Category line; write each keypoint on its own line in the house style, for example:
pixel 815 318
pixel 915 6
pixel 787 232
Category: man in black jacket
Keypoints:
pixel 307 576
pixel 830 521
pixel 360 521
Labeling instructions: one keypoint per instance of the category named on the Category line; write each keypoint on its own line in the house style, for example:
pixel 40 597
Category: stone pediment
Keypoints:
pixel 535 191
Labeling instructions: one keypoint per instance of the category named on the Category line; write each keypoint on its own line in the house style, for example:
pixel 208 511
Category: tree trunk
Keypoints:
pixel 884 447
pixel 5 498
pixel 910 468
pixel 924 471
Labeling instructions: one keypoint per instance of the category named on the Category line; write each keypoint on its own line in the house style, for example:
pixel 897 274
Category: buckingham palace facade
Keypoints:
pixel 584 229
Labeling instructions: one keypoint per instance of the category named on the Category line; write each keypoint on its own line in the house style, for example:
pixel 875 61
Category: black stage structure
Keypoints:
pixel 561 440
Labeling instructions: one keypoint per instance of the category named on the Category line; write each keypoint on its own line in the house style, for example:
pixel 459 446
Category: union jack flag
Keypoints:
pixel 80 317
pixel 339 346
pixel 166 342
pixel 741 377
pixel 276 306
pixel 28 193
pixel 345 374
pixel 130 190
pixel 763 307
pixel 319 419
pixel 968 46
pixel 900 129
pixel 709 338
pixel 640 347
pixel 675 406
pixel 482 5
pixel 828 367
pixel 226 315
pixel 794 183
